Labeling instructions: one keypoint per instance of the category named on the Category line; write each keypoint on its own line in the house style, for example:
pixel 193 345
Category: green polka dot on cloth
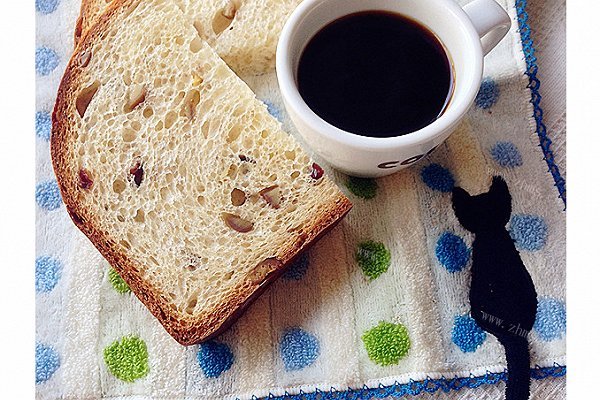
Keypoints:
pixel 117 282
pixel 362 187
pixel 373 258
pixel 127 359
pixel 386 343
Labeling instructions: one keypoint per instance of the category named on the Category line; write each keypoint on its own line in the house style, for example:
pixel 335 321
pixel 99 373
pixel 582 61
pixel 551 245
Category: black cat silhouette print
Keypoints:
pixel 502 296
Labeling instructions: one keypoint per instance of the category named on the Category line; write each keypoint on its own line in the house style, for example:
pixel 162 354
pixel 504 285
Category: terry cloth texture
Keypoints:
pixel 380 305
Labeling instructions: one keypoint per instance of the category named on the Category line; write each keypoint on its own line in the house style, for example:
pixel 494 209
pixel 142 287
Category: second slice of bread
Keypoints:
pixel 243 32
pixel 177 173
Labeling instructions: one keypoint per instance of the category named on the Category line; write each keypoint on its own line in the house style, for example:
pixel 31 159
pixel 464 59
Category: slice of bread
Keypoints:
pixel 243 32
pixel 177 173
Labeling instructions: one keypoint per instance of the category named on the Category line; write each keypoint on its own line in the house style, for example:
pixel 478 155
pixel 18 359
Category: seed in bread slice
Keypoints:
pixel 177 173
pixel 243 32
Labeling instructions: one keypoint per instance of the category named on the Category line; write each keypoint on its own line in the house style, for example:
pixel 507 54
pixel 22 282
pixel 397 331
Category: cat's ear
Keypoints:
pixel 459 196
pixel 461 203
pixel 500 195
pixel 499 186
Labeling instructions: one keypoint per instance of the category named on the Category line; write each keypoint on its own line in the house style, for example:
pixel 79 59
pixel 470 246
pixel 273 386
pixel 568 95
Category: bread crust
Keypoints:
pixel 186 330
pixel 86 17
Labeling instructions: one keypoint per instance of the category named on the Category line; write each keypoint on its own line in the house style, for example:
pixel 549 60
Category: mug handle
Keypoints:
pixel 490 21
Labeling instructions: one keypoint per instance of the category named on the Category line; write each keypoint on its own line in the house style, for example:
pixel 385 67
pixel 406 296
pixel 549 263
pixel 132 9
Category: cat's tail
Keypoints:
pixel 517 359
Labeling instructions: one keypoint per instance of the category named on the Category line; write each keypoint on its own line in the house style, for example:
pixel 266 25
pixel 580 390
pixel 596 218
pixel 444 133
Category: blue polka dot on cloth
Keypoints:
pixel 46 6
pixel 506 154
pixel 437 178
pixel 551 319
pixel 467 334
pixel 298 268
pixel 47 362
pixel 47 195
pixel 46 60
pixel 43 125
pixel 47 273
pixel 488 94
pixel 298 348
pixel 214 358
pixel 452 252
pixel 528 231
pixel 274 110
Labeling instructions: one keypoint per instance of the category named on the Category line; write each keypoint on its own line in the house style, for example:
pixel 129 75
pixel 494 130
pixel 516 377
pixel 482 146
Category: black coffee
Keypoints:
pixel 376 73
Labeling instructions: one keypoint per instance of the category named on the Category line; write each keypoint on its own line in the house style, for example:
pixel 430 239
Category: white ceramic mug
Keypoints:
pixel 467 34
